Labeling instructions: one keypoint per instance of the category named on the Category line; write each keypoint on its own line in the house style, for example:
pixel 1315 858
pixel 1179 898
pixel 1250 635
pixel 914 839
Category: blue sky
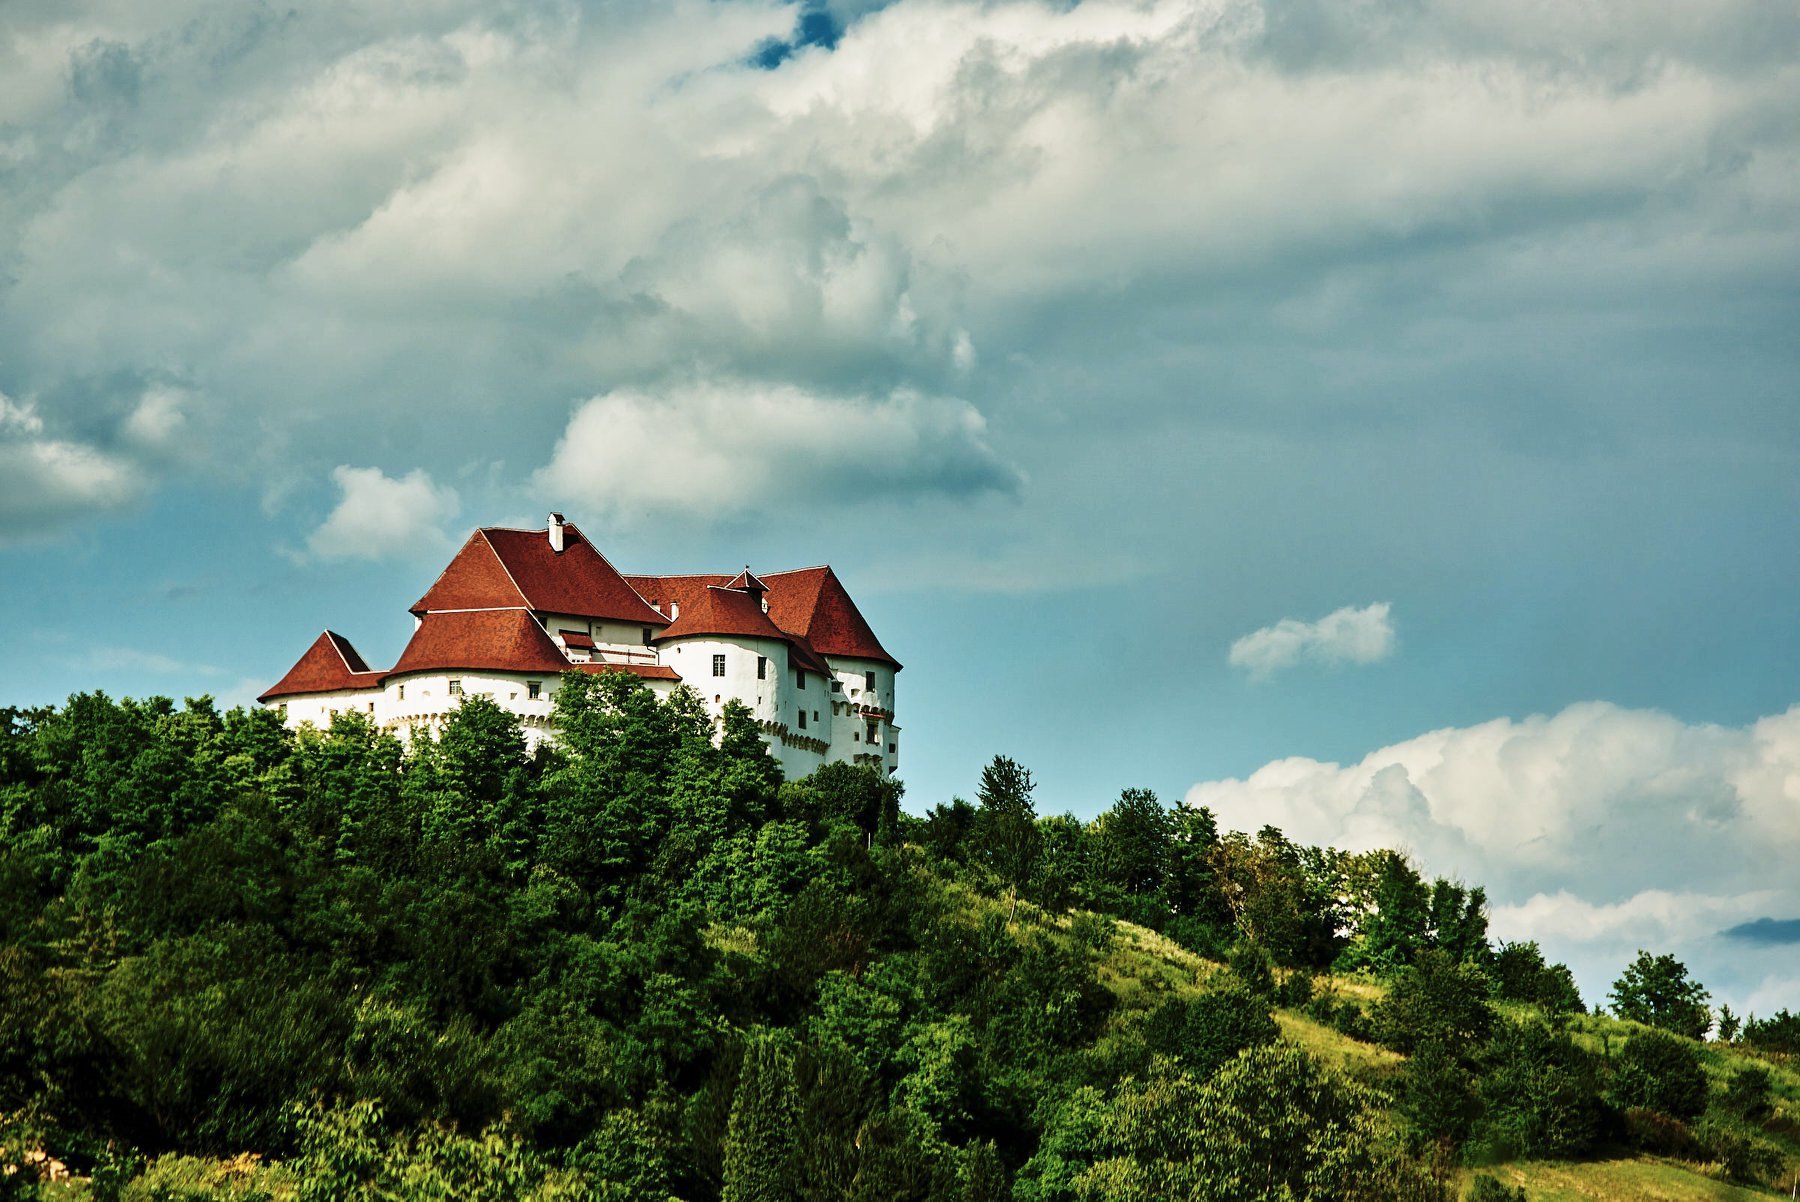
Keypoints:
pixel 1086 340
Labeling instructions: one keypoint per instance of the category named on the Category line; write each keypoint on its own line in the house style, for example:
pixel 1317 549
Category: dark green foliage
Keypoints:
pixel 761 1152
pixel 1254 968
pixel 1657 991
pixel 1437 1094
pixel 1657 1071
pixel 1005 834
pixel 1780 1032
pixel 1520 974
pixel 1743 1155
pixel 1488 1188
pixel 1438 1000
pixel 1202 1033
pixel 638 964
pixel 1748 1093
pixel 1540 1094
pixel 1729 1025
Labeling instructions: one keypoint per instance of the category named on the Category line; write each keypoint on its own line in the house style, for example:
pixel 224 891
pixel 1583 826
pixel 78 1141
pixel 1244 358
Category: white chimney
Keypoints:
pixel 556 533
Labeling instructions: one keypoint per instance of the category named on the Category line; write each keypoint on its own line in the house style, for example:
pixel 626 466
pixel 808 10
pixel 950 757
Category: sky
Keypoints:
pixel 1378 418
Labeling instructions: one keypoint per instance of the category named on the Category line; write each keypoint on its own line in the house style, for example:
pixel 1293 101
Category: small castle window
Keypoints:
pixel 455 688
pixel 802 719
pixel 799 678
pixel 371 707
pixel 815 715
pixel 869 681
pixel 534 689
pixel 282 710
pixel 762 667
pixel 719 665
pixel 649 633
pixel 403 692
pixel 837 686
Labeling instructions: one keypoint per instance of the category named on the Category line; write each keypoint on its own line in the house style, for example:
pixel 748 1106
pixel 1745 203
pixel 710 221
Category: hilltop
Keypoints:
pixel 239 961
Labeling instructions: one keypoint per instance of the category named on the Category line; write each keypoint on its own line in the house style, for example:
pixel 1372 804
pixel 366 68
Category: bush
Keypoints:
pixel 1341 1014
pixel 1250 963
pixel 1296 990
pixel 1747 1093
pixel 1654 1131
pixel 1521 974
pixel 1540 1094
pixel 1437 1000
pixel 1657 1071
pixel 1486 1188
pixel 1437 1094
pixel 1744 1157
pixel 1780 1032
pixel 1204 1032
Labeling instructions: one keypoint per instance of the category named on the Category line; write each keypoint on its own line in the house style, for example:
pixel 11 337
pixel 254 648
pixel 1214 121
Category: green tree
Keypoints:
pixel 1520 974
pixel 1005 831
pixel 1131 844
pixel 760 1143
pixel 1657 1071
pixel 1438 1000
pixel 1540 1093
pixel 1657 991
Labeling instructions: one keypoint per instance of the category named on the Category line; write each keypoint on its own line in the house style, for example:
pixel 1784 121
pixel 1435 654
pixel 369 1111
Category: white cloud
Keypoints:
pixel 378 517
pixel 436 205
pixel 728 448
pixel 47 482
pixel 1597 829
pixel 1343 636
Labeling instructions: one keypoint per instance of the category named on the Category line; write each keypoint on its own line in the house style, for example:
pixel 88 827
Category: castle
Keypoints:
pixel 516 609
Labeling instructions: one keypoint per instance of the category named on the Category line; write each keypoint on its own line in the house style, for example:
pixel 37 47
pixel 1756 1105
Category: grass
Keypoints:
pixel 1639 1178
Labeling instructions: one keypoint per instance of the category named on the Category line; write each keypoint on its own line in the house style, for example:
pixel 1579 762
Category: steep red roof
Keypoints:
pixel 715 609
pixel 329 665
pixel 491 640
pixel 497 568
pixel 813 603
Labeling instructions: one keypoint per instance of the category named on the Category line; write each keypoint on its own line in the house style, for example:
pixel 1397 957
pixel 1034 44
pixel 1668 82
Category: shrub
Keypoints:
pixel 1520 974
pixel 1438 1000
pixel 1486 1188
pixel 1654 1131
pixel 1743 1157
pixel 1296 990
pixel 1204 1032
pixel 1540 1094
pixel 1657 1071
pixel 1747 1093
pixel 1250 963
pixel 1437 1094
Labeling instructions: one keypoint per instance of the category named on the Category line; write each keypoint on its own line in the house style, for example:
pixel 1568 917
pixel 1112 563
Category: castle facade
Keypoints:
pixel 515 609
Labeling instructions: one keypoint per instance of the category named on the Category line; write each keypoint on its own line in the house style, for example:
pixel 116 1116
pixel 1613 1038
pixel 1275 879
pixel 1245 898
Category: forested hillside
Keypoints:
pixel 236 962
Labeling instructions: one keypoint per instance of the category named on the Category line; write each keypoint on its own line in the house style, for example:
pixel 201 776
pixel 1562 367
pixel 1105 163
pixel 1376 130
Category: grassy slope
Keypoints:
pixel 1141 967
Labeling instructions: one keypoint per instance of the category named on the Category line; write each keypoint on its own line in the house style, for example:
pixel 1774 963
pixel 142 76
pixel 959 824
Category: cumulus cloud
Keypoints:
pixel 46 482
pixel 1580 822
pixel 729 448
pixel 439 205
pixel 379 517
pixel 1344 636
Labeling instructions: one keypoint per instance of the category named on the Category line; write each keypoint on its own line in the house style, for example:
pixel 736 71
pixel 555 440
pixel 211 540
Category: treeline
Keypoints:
pixel 640 965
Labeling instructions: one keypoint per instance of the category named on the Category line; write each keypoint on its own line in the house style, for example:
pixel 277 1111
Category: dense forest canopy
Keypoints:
pixel 638 964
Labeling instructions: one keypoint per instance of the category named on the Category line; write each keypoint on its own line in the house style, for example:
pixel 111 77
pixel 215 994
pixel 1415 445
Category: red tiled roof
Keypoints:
pixel 807 603
pixel 492 640
pixel 813 603
pixel 642 671
pixel 330 665
pixel 577 638
pixel 714 609
pixel 498 568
